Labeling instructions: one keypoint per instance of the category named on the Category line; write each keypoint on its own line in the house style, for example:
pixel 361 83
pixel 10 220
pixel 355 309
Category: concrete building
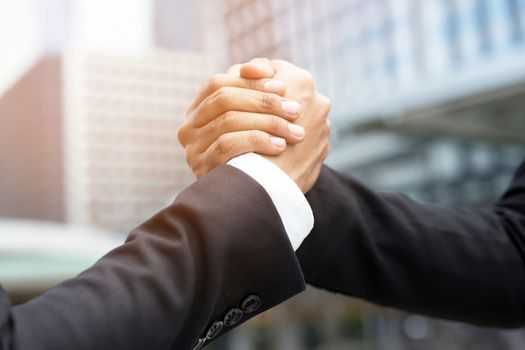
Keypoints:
pixel 31 180
pixel 123 160
pixel 103 149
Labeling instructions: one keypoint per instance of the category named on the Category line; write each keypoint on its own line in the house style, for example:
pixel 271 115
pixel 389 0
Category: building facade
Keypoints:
pixel 123 159
pixel 428 100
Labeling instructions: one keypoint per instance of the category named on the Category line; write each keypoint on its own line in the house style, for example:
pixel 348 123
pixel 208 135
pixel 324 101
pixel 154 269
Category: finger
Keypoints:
pixel 243 100
pixel 257 68
pixel 233 144
pixel 281 64
pixel 218 81
pixel 183 134
pixel 244 121
pixel 234 70
pixel 263 61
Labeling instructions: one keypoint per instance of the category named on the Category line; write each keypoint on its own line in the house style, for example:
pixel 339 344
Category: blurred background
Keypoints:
pixel 428 96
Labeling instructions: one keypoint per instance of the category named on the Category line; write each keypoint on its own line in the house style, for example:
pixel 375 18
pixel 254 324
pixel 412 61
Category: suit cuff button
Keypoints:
pixel 233 317
pixel 214 330
pixel 251 304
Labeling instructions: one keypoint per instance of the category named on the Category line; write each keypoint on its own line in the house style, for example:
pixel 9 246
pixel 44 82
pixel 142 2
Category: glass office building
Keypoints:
pixel 428 99
pixel 441 73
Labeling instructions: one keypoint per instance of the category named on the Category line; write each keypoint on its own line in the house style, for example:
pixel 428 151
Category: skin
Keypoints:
pixel 234 114
pixel 231 116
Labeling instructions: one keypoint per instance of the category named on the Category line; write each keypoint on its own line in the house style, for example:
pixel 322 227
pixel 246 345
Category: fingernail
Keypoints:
pixel 274 86
pixel 290 107
pixel 297 130
pixel 278 142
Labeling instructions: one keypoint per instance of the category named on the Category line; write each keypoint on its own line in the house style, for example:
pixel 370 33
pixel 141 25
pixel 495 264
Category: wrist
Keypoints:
pixel 288 198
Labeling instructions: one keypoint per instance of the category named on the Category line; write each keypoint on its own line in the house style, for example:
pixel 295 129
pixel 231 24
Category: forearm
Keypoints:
pixel 452 263
pixel 177 273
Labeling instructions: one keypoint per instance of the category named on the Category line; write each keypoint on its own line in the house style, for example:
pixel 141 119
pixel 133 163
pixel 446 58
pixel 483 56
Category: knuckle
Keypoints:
pixel 323 107
pixel 275 123
pixel 214 125
pixel 258 122
pixel 267 101
pixel 253 84
pixel 215 82
pixel 222 96
pixel 192 160
pixel 188 159
pixel 181 134
pixel 327 109
pixel 254 137
pixel 226 121
pixel 326 104
pixel 307 75
pixel 224 144
pixel 328 127
pixel 307 79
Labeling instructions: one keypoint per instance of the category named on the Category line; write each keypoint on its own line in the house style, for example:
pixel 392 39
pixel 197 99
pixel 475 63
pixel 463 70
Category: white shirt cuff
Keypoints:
pixel 289 200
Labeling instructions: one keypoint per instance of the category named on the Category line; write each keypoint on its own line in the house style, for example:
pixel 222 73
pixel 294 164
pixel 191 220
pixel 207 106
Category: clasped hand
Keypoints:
pixel 268 107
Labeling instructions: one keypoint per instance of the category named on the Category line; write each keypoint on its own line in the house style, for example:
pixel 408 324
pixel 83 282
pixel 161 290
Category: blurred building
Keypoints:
pixel 123 159
pixel 103 150
pixel 428 96
pixel 449 76
pixel 428 99
pixel 31 180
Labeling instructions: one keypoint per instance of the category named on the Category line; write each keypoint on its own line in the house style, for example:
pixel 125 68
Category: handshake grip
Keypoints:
pixel 267 107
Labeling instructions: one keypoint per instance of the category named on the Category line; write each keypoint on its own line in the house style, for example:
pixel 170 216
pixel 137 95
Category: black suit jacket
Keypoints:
pixel 462 264
pixel 218 256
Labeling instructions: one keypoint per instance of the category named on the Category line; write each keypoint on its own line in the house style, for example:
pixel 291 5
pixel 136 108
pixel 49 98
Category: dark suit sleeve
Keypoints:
pixel 216 257
pixel 461 264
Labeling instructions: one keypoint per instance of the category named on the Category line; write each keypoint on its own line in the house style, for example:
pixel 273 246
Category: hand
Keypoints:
pixel 232 115
pixel 302 162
